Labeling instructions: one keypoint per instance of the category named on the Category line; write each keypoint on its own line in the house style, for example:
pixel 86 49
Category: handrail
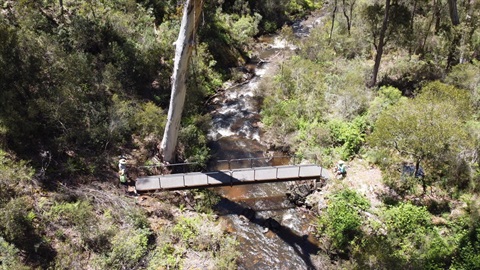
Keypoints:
pixel 168 165
pixel 292 159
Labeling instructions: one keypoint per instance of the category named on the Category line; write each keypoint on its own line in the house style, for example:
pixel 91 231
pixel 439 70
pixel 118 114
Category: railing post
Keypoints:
pixel 251 162
pixel 183 176
pixel 229 167
pixel 231 178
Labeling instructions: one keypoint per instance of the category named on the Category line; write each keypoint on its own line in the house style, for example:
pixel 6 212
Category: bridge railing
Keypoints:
pixel 224 164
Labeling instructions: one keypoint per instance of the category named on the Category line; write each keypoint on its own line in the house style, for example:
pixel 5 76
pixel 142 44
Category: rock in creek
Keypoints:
pixel 298 191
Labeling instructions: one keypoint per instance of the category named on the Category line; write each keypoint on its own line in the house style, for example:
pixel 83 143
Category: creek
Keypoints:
pixel 273 232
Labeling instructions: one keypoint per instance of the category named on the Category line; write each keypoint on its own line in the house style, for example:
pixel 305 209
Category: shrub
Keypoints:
pixel 205 200
pixel 342 221
pixel 150 120
pixel 187 228
pixel 78 213
pixel 16 224
pixel 9 257
pixel 412 237
pixel 13 176
pixel 194 141
pixel 128 247
pixel 165 255
pixel 349 135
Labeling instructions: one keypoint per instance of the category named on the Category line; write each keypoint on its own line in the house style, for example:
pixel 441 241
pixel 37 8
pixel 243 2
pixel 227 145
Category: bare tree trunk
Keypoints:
pixel 453 58
pixel 183 52
pixel 381 43
pixel 452 8
pixel 333 22
pixel 347 17
pixel 61 6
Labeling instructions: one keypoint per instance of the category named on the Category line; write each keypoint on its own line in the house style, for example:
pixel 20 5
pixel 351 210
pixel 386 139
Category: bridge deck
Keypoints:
pixel 232 177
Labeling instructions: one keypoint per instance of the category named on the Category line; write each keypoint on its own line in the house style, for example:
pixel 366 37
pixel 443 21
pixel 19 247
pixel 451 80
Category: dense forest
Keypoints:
pixel 395 83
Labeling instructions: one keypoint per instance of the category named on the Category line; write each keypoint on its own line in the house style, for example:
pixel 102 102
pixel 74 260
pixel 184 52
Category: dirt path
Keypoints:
pixel 361 177
pixel 365 179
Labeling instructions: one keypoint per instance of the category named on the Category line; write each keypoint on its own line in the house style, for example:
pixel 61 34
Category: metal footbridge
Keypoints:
pixel 230 177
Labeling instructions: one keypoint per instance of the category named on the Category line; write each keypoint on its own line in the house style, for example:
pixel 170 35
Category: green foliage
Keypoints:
pixel 465 76
pixel 349 135
pixel 67 72
pixel 16 223
pixel 407 219
pixel 187 228
pixel 9 256
pixel 428 128
pixel 205 200
pixel 18 227
pixel 467 234
pixel 13 175
pixel 199 233
pixel 241 28
pixel 387 96
pixel 150 120
pixel 411 236
pixel 165 255
pixel 406 238
pixel 128 247
pixel 193 138
pixel 342 221
pixel 297 94
pixel 398 23
pixel 79 213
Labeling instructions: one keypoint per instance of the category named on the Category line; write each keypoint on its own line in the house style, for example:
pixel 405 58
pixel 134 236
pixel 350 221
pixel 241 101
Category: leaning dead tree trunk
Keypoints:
pixel 183 52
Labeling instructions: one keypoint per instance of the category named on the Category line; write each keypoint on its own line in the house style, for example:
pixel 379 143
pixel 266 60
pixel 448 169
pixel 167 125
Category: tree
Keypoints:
pixel 381 43
pixel 428 128
pixel 386 22
pixel 183 52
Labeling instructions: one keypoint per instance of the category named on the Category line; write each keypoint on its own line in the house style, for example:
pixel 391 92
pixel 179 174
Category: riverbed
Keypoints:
pixel 273 233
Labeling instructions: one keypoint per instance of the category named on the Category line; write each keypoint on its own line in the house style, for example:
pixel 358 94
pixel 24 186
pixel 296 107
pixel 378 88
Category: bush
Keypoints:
pixel 128 247
pixel 16 223
pixel 342 221
pixel 14 175
pixel 205 200
pixel 9 257
pixel 349 135
pixel 165 255
pixel 412 237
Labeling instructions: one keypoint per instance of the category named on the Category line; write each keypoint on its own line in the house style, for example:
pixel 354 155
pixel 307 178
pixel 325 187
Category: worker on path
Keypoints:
pixel 122 173
pixel 341 169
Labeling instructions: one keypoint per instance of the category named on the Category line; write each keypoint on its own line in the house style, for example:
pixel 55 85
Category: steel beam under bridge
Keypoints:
pixel 231 177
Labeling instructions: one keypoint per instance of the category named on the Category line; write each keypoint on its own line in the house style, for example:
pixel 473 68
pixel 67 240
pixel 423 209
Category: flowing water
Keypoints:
pixel 273 233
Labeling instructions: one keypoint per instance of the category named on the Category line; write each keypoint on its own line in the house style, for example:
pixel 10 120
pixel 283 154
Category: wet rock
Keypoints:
pixel 243 219
pixel 316 201
pixel 299 191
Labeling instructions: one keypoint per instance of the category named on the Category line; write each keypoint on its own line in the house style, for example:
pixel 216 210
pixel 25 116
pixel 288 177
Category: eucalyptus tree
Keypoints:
pixel 386 21
pixel 184 47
